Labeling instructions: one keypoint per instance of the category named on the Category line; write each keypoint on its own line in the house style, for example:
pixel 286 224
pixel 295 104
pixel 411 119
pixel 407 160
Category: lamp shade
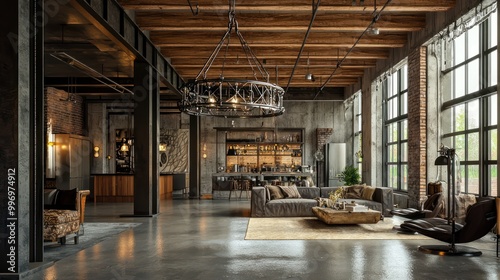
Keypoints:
pixel 442 160
pixel 124 147
pixel 310 77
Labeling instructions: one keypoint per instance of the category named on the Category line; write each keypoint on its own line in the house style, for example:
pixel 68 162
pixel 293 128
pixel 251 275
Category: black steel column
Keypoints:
pixel 194 157
pixel 144 191
pixel 155 133
pixel 37 131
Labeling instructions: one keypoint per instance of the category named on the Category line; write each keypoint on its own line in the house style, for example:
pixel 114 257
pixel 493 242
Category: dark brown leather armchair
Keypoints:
pixel 431 208
pixel 479 220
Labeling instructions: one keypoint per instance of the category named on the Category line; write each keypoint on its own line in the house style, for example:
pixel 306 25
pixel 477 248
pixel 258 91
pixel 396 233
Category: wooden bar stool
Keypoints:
pixel 245 185
pixel 233 186
pixel 240 185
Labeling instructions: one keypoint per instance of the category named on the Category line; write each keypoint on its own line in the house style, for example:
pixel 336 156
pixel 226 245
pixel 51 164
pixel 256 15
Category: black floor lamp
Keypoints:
pixel 448 157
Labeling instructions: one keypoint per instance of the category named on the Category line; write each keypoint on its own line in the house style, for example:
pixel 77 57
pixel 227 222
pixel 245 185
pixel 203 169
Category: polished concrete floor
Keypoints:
pixel 204 239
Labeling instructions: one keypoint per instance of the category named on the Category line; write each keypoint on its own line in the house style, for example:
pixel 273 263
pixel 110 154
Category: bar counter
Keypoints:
pixel 120 187
pixel 220 181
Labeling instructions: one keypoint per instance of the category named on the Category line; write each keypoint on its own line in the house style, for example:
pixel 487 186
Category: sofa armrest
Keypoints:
pixel 80 203
pixel 384 195
pixel 258 202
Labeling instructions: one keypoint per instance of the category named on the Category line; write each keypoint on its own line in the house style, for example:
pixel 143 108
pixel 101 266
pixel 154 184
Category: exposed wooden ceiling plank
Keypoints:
pixel 287 63
pixel 422 6
pixel 391 44
pixel 288 23
pixel 253 38
pixel 296 29
pixel 279 53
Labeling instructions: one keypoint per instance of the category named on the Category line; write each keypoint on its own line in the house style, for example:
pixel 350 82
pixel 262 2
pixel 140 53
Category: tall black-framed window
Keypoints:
pixel 395 130
pixel 358 133
pixel 469 110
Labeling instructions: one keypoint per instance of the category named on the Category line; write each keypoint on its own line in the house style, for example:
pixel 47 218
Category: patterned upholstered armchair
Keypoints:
pixel 64 212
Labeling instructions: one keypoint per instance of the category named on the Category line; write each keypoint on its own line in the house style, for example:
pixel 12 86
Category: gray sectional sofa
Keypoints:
pixel 263 206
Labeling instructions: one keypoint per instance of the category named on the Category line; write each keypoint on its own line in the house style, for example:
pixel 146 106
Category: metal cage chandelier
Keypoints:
pixel 232 98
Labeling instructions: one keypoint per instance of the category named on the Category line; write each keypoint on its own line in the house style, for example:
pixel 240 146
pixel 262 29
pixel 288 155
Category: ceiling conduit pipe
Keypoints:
pixel 339 63
pixel 315 11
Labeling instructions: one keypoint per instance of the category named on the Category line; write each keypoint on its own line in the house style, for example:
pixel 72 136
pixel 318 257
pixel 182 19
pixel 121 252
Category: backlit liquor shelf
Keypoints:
pixel 254 150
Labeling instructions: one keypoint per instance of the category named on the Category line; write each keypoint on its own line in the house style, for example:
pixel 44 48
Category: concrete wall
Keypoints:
pixel 104 119
pixel 298 114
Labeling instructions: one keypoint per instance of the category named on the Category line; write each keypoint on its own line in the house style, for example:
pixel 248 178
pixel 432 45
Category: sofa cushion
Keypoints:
pixel 290 207
pixel 275 192
pixel 56 216
pixel 290 191
pixel 308 192
pixel 367 193
pixel 325 191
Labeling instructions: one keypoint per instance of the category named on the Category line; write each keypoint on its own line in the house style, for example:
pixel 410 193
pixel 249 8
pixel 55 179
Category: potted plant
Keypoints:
pixel 350 176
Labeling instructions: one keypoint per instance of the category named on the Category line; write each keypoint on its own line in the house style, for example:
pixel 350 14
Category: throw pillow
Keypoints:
pixel 368 192
pixel 49 197
pixel 290 191
pixel 311 182
pixel 65 199
pixel 464 201
pixel 354 191
pixel 268 194
pixel 275 192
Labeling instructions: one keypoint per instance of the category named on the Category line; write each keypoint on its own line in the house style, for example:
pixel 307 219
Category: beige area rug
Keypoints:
pixel 293 228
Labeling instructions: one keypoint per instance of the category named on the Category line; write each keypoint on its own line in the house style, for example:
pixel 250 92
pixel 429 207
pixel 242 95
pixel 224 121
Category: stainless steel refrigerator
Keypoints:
pixel 335 161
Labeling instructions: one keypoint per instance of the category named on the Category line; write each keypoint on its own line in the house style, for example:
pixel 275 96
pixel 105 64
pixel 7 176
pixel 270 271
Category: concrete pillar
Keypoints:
pixel 21 137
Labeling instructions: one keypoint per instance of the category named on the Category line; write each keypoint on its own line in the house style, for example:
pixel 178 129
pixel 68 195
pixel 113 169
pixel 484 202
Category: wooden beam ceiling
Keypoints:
pixel 275 32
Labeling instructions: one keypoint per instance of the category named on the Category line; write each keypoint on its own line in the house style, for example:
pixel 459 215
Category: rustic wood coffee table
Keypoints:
pixel 342 217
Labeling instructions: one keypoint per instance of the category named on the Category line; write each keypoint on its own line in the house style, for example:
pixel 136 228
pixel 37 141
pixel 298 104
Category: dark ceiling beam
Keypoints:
pixel 138 45
pixel 85 81
pixel 307 93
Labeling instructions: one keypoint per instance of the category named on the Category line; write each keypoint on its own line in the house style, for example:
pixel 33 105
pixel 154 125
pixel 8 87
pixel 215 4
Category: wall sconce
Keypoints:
pixel 204 151
pixel 96 152
pixel 51 143
pixel 162 147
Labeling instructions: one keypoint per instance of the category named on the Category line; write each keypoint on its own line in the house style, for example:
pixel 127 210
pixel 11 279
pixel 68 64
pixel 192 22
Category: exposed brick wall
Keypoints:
pixel 417 125
pixel 66 116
